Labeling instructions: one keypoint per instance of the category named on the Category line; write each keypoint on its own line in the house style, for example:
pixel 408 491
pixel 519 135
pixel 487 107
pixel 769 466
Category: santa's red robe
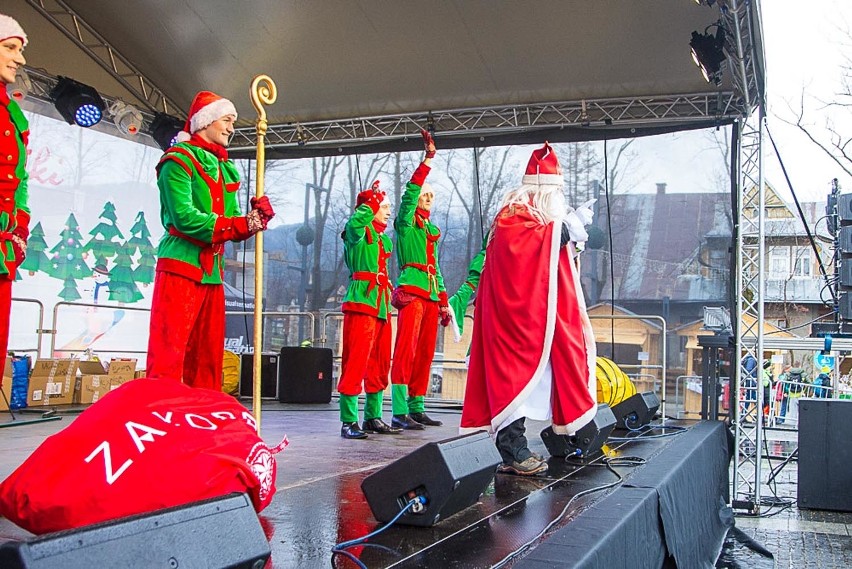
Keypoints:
pixel 532 338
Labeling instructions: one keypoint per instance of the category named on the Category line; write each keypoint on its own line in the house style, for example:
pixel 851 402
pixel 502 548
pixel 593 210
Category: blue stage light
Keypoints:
pixel 77 103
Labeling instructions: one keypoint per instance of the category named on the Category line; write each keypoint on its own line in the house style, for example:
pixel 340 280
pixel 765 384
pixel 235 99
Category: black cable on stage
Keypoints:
pixel 340 548
pixel 561 515
pixel 801 213
pixel 640 433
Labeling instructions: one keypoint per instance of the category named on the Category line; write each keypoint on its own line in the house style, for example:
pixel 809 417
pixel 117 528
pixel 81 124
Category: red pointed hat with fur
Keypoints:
pixel 206 107
pixel 543 167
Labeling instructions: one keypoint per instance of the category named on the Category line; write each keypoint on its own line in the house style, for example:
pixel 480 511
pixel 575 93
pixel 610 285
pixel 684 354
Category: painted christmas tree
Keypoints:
pixel 103 243
pixel 37 259
pixel 67 261
pixel 144 272
pixel 122 287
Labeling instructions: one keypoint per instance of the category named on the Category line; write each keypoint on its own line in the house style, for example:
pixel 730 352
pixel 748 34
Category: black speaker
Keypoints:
pixel 222 532
pixel 586 442
pixel 825 454
pixel 636 411
pixel 451 475
pixel 268 375
pixel 304 375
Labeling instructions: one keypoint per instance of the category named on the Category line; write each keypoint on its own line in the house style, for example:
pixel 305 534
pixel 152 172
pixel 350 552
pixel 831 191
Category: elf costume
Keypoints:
pixel 533 352
pixel 459 301
pixel 14 213
pixel 366 317
pixel 420 297
pixel 199 211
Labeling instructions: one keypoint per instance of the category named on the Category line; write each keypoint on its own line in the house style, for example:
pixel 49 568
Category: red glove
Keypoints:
pixel 444 312
pixel 19 246
pixel 429 142
pixel 375 201
pixel 263 207
pixel 444 308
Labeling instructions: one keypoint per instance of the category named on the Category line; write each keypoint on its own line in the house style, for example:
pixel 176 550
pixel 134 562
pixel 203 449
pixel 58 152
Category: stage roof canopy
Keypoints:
pixel 365 75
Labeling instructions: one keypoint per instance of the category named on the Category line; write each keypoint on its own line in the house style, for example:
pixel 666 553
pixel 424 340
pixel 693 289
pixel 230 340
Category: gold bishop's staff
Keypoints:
pixel 262 92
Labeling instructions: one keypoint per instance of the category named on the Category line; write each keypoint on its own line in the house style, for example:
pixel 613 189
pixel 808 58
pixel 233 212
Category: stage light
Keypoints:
pixel 708 53
pixel 20 88
pixel 127 118
pixel 164 129
pixel 77 103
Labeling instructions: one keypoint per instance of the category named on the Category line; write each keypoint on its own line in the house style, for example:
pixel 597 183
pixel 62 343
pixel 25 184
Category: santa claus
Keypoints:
pixel 533 352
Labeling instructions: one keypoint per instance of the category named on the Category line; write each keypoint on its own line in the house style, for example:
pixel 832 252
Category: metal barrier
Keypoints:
pixel 40 331
pixel 662 347
pixel 278 314
pixel 682 383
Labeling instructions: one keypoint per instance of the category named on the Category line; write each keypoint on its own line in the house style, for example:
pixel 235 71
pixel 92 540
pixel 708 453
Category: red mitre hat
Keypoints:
pixel 543 167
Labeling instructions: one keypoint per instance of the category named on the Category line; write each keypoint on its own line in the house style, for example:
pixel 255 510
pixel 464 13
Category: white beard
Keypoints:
pixel 548 201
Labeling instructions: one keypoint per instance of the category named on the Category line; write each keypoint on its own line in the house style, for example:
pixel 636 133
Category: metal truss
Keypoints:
pixel 626 112
pixel 96 47
pixel 747 414
pixel 741 17
pixel 745 59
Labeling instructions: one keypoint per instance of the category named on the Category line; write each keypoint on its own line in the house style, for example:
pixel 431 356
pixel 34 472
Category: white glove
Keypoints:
pixel 585 213
pixel 576 229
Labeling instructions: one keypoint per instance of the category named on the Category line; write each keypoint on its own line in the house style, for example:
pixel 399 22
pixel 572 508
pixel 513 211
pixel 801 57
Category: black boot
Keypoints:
pixel 425 419
pixel 380 427
pixel 352 431
pixel 406 422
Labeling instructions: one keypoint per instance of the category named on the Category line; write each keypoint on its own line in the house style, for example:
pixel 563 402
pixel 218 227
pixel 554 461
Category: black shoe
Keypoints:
pixel 424 419
pixel 380 427
pixel 352 431
pixel 406 422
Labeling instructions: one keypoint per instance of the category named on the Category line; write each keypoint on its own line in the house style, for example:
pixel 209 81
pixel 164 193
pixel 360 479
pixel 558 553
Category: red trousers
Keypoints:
pixel 187 335
pixel 5 309
pixel 416 333
pixel 366 354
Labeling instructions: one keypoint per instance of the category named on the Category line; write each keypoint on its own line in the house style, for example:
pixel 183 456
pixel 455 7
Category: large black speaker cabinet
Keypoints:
pixel 268 375
pixel 586 442
pixel 825 454
pixel 304 375
pixel 218 533
pixel 451 475
pixel 636 411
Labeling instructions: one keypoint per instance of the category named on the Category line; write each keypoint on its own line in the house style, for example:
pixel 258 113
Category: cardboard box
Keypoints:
pixel 94 382
pixel 52 382
pixel 120 371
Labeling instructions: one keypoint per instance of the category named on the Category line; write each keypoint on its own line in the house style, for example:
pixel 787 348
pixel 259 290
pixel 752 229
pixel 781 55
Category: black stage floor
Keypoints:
pixel 668 506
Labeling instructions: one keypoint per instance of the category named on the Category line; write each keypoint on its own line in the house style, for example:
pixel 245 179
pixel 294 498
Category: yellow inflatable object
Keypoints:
pixel 231 373
pixel 613 384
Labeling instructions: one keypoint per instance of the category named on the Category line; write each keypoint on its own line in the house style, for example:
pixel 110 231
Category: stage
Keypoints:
pixel 668 507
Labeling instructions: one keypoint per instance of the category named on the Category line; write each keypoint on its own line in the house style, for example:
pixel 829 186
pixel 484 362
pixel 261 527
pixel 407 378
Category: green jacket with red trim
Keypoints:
pixel 14 212
pixel 366 253
pixel 199 211
pixel 417 245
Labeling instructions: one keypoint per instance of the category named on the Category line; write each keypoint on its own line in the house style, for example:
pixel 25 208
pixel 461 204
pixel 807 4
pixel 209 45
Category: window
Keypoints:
pixel 779 262
pixel 803 265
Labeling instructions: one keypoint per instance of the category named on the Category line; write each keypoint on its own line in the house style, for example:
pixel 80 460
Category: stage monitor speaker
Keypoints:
pixel 586 442
pixel 636 411
pixel 304 375
pixel 268 375
pixel 825 454
pixel 451 475
pixel 222 532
